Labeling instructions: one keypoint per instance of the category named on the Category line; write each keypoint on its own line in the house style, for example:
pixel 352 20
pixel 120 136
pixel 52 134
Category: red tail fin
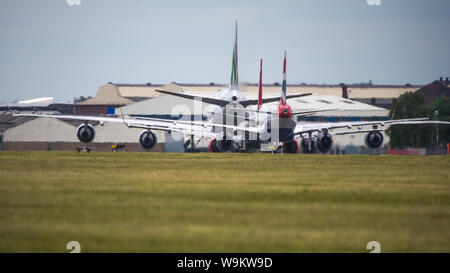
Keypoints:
pixel 260 86
pixel 283 88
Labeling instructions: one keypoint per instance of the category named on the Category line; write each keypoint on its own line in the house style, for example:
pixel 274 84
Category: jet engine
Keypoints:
pixel 218 146
pixel 85 133
pixel 324 142
pixel 291 147
pixel 374 139
pixel 147 139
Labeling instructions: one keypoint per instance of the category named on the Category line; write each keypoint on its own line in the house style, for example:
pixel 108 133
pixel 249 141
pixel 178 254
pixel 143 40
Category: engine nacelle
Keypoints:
pixel 291 147
pixel 147 139
pixel 85 133
pixel 308 146
pixel 374 139
pixel 324 142
pixel 219 146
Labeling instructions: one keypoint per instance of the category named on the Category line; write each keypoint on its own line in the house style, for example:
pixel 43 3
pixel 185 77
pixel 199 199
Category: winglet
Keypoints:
pixel 260 86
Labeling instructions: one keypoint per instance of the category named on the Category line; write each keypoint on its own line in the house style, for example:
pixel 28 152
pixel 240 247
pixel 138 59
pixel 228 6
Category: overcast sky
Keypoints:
pixel 50 48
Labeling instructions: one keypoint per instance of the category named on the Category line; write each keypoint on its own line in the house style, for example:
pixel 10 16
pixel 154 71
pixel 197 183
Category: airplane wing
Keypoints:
pixel 196 128
pixel 340 133
pixel 302 128
pixel 199 124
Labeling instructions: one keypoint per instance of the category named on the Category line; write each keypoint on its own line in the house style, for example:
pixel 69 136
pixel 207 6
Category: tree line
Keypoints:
pixel 413 105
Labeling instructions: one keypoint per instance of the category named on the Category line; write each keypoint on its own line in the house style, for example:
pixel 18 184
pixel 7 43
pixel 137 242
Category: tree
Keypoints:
pixel 442 105
pixel 80 99
pixel 410 105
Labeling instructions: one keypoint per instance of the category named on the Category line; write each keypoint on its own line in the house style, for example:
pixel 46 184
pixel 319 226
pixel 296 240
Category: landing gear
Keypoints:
pixel 84 149
pixel 308 145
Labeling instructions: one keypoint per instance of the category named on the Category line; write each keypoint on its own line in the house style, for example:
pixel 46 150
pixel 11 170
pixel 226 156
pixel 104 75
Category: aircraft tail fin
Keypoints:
pixel 283 88
pixel 234 63
pixel 260 101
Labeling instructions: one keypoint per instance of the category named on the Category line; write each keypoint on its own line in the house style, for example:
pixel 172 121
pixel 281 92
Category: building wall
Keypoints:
pixel 41 130
pixel 119 133
pixel 353 92
pixel 90 109
pixel 108 92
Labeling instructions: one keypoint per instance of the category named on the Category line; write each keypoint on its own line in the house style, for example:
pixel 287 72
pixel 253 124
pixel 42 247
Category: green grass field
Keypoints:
pixel 150 202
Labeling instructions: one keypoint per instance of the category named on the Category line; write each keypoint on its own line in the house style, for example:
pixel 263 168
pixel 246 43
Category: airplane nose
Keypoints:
pixel 234 98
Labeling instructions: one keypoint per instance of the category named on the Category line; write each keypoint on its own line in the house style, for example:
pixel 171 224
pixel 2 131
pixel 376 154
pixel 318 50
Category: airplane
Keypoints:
pixel 229 102
pixel 278 126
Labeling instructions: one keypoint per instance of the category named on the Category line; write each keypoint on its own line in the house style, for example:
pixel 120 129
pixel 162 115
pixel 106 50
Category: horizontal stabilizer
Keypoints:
pixel 222 103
